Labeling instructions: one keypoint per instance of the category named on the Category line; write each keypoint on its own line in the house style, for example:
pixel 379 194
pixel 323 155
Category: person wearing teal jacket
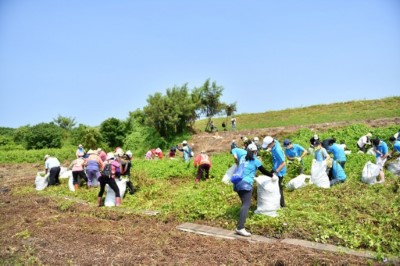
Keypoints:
pixel 381 153
pixel 336 172
pixel 244 188
pixel 278 161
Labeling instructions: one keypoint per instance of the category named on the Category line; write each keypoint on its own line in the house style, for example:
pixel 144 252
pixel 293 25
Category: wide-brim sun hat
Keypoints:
pixel 267 140
pixel 90 151
pixel 184 142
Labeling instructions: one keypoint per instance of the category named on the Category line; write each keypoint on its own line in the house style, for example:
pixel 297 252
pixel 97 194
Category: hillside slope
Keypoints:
pixel 220 141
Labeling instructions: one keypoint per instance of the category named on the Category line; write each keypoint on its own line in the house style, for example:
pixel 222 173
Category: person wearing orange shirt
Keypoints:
pixel 203 162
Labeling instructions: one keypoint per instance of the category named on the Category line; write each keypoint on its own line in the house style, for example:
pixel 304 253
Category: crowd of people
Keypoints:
pixel 327 151
pixel 107 167
pixel 91 166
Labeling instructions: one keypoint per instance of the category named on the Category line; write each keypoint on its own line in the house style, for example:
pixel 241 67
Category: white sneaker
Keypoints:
pixel 242 232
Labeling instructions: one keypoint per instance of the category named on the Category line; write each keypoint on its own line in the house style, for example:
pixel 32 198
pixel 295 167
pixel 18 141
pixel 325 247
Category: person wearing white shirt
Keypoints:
pixel 363 142
pixel 52 166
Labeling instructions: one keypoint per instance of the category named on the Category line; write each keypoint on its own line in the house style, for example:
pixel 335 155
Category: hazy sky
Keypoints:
pixel 93 60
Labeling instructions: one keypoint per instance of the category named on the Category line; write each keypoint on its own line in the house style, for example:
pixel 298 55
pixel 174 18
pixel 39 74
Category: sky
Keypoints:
pixel 93 60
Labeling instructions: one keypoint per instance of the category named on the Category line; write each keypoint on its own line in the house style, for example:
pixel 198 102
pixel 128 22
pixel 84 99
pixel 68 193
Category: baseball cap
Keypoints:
pixel 286 142
pixel 267 140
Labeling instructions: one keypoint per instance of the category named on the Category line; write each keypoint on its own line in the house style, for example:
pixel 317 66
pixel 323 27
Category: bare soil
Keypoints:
pixel 39 230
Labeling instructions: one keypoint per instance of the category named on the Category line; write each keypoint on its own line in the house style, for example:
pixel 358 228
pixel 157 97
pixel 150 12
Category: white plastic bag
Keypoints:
pixel 297 182
pixel 71 181
pixel 370 173
pixel 371 151
pixel 394 167
pixel 110 197
pixel 268 195
pixel 318 174
pixel 41 180
pixel 227 177
pixel 64 172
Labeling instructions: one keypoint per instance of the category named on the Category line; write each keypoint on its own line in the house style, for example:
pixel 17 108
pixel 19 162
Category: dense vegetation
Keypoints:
pixel 352 214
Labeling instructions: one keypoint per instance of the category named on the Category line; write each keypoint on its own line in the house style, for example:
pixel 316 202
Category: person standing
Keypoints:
pixel 185 150
pixel 109 178
pixel 203 162
pixel 233 123
pixel 52 166
pixel 364 141
pixel 295 152
pixel 278 162
pixel 381 153
pixel 80 152
pixel 244 188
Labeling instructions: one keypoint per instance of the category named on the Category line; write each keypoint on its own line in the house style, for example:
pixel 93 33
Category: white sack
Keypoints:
pixel 71 181
pixel 95 182
pixel 318 174
pixel 394 167
pixel 41 180
pixel 371 151
pixel 64 172
pixel 268 195
pixel 297 182
pixel 370 173
pixel 110 197
pixel 228 175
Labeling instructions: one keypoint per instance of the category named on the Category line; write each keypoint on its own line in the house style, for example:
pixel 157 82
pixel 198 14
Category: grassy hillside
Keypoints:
pixel 346 111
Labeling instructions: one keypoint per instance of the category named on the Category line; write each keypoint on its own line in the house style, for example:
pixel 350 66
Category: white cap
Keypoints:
pixel 110 155
pixel 369 134
pixel 315 136
pixel 129 153
pixel 267 140
pixel 184 142
pixel 233 141
pixel 252 147
pixel 255 139
pixel 46 156
pixel 80 145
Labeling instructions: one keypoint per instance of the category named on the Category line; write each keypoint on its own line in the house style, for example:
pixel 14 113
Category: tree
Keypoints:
pixel 66 123
pixel 89 137
pixel 44 135
pixel 113 132
pixel 210 104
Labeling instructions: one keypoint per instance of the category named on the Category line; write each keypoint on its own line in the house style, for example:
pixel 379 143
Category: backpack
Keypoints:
pixel 107 170
pixel 238 174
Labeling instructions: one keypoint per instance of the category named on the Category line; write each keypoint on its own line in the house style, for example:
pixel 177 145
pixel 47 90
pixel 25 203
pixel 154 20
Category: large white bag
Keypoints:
pixel 41 180
pixel 268 195
pixel 110 197
pixel 64 172
pixel 394 167
pixel 228 175
pixel 297 182
pixel 370 173
pixel 318 174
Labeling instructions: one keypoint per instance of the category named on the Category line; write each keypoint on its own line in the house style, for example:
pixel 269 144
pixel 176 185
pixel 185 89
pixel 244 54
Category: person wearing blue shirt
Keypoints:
pixel 278 162
pixel 396 146
pixel 238 153
pixel 244 188
pixel 320 154
pixel 381 153
pixel 338 153
pixel 336 172
pixel 295 152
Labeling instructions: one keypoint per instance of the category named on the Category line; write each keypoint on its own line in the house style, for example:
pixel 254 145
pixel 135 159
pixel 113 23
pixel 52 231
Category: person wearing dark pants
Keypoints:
pixel 203 162
pixel 278 161
pixel 111 182
pixel 111 170
pixel 52 166
pixel 244 187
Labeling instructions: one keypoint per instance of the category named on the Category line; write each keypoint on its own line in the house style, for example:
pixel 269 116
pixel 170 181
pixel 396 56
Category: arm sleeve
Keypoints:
pixel 264 171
